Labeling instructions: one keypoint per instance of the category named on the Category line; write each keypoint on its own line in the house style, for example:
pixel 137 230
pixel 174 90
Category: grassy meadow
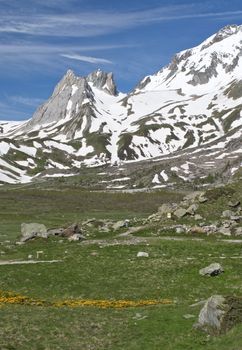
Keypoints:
pixel 102 271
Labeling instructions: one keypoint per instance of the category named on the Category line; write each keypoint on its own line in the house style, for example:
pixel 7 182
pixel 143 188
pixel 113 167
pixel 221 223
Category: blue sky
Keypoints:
pixel 132 38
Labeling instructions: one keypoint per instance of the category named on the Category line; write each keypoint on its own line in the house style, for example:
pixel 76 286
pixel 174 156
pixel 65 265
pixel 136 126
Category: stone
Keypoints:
pixel 238 231
pixel 234 204
pixel 120 224
pixel 192 209
pixel 211 315
pixel 55 231
pixel 212 270
pixel 32 230
pixel 180 213
pixel 197 229
pixel 226 231
pixel 198 217
pixel 71 230
pixel 188 316
pixel 202 199
pixel 180 229
pixel 236 218
pixel 219 314
pixel 227 213
pixel 166 209
pixel 76 237
pixel 142 255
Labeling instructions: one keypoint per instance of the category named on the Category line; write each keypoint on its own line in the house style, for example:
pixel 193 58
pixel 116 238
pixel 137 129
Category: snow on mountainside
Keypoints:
pixel 192 105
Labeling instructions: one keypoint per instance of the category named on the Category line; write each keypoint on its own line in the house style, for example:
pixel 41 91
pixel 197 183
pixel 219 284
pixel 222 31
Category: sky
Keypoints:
pixel 41 39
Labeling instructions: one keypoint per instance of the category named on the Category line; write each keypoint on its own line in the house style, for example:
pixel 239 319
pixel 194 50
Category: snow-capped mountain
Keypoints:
pixel 192 105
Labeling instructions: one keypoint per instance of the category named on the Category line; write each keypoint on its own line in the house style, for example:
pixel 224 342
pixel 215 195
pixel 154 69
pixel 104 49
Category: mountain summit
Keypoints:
pixel 192 105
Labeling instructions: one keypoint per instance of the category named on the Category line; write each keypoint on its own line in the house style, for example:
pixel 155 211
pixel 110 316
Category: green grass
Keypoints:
pixel 114 272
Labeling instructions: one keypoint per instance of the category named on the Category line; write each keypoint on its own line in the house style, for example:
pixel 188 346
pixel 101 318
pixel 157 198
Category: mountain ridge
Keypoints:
pixel 194 102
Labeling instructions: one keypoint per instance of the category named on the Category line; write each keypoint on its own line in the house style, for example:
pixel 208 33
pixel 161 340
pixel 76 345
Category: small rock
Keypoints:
pixel 202 199
pixel 188 316
pixel 198 217
pixel 71 230
pixel 166 208
pixel 180 213
pixel 119 224
pixel 192 209
pixel 238 231
pixel 235 218
pixel 227 213
pixel 55 231
pixel 180 229
pixel 234 204
pixel 211 270
pixel 142 255
pixel 226 231
pixel 197 229
pixel 76 237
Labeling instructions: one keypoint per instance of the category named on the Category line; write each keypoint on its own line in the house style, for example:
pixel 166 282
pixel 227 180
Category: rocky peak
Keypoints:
pixel 103 81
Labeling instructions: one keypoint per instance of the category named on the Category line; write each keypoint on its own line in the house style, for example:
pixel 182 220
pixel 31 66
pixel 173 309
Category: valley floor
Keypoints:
pixel 106 267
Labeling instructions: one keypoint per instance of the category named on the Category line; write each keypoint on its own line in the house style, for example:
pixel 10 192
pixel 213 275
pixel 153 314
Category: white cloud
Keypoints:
pixel 87 59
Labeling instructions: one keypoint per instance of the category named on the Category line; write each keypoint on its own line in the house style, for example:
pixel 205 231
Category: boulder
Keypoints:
pixel 180 213
pixel 212 270
pixel 219 314
pixel 32 230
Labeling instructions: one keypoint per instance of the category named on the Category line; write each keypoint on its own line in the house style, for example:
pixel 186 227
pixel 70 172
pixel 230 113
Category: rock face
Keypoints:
pixel 211 270
pixel 219 314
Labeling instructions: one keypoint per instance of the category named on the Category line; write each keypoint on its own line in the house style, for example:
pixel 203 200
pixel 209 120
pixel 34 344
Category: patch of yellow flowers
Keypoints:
pixel 12 298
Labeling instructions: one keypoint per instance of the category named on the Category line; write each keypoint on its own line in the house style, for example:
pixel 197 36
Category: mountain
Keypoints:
pixel 186 119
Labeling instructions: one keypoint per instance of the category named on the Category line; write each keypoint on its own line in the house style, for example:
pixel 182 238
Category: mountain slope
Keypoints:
pixel 191 106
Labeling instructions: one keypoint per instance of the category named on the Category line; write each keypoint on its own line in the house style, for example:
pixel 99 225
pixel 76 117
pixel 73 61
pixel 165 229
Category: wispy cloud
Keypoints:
pixel 87 59
pixel 96 23
pixel 26 101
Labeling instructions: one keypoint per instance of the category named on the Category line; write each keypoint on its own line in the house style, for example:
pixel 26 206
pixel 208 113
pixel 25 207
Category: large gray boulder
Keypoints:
pixel 219 314
pixel 32 230
pixel 211 270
